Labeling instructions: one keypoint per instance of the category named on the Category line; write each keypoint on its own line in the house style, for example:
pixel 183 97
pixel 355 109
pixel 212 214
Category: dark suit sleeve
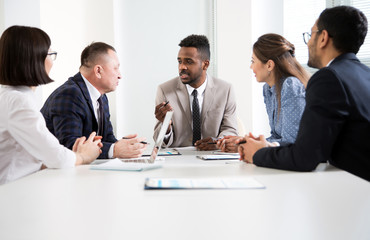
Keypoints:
pixel 326 109
pixel 71 118
pixel 67 115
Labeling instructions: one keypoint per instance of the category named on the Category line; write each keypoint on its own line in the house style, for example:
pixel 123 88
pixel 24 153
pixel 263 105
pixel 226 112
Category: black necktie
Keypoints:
pixel 100 117
pixel 196 118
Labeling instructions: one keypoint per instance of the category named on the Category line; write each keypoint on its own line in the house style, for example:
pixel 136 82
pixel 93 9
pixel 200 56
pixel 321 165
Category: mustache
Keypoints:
pixel 184 72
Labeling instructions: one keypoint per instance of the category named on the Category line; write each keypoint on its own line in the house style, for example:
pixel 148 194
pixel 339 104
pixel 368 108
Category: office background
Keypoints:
pixel 146 34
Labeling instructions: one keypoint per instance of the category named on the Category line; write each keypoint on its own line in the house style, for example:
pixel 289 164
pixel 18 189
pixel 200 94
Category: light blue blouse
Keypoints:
pixel 285 128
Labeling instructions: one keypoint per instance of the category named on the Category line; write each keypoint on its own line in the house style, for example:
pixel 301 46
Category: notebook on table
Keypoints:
pixel 141 163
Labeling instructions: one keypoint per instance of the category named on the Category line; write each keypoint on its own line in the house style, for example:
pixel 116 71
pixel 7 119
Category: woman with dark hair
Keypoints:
pixel 274 63
pixel 26 145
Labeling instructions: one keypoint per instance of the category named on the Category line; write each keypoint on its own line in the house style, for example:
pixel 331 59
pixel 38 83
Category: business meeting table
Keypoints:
pixel 82 203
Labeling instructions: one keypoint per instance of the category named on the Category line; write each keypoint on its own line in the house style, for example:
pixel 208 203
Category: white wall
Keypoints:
pixel 234 52
pixel 2 16
pixel 267 17
pixel 72 25
pixel 147 41
pixel 239 24
pixel 21 12
pixel 146 34
pixel 28 14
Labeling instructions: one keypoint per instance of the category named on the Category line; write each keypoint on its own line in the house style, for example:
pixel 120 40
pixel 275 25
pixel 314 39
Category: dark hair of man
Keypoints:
pixel 23 51
pixel 92 52
pixel 276 48
pixel 200 42
pixel 346 25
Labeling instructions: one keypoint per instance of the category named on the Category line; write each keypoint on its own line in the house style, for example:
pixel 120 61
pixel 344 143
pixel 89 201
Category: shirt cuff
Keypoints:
pixel 167 136
pixel 110 152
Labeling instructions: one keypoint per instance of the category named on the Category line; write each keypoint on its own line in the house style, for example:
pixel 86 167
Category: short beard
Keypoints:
pixel 313 63
pixel 312 60
pixel 194 80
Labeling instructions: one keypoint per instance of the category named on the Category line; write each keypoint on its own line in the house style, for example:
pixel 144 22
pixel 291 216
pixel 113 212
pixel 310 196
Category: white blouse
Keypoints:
pixel 25 141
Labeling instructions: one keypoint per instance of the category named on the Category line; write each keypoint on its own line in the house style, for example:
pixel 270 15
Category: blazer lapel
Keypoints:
pixel 183 97
pixel 209 96
pixel 81 84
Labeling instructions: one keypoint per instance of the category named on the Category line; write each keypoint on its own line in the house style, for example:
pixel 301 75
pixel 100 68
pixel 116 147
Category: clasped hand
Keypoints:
pixel 251 146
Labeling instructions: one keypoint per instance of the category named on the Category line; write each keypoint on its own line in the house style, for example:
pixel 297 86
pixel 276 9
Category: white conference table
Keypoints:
pixel 89 204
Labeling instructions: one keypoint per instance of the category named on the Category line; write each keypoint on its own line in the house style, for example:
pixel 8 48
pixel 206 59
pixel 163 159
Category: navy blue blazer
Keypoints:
pixel 69 114
pixel 335 124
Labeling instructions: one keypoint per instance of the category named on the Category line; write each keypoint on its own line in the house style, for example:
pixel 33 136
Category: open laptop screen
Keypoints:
pixel 162 133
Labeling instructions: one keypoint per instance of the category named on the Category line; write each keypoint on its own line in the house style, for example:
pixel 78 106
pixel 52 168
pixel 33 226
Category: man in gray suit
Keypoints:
pixel 204 107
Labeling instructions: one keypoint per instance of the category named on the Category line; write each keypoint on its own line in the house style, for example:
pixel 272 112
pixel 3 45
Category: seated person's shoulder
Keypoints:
pixel 170 83
pixel 293 86
pixel 222 85
pixel 292 82
pixel 17 99
pixel 68 89
pixel 220 82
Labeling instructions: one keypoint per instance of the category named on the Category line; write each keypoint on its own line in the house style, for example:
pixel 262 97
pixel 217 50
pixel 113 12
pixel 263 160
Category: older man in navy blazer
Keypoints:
pixel 80 105
pixel 335 125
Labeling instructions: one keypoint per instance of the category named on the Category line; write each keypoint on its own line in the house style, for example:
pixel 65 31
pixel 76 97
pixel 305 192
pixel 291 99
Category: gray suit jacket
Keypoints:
pixel 218 116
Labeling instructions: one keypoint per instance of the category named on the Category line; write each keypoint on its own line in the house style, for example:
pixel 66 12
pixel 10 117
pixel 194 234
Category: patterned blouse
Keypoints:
pixel 285 127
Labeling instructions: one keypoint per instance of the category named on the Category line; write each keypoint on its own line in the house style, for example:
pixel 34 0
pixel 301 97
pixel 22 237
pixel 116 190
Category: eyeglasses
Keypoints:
pixel 307 36
pixel 53 55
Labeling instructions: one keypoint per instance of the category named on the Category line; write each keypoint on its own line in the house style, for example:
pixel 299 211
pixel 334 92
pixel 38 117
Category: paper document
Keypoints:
pixel 166 152
pixel 119 165
pixel 219 156
pixel 218 152
pixel 202 183
pixel 192 148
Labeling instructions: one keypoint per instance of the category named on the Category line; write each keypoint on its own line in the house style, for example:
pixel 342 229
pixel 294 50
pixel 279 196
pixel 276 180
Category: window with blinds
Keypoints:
pixel 299 17
pixel 364 6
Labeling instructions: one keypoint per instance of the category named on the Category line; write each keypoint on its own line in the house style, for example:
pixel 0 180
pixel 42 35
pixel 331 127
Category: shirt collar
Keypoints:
pixel 94 93
pixel 200 89
pixel 270 89
pixel 330 62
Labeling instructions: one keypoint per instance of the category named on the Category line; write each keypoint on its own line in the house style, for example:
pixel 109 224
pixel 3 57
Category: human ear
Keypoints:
pixel 97 71
pixel 323 39
pixel 270 65
pixel 206 64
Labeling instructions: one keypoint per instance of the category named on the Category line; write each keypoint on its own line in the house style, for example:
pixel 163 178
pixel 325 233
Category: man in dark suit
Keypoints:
pixel 335 125
pixel 80 105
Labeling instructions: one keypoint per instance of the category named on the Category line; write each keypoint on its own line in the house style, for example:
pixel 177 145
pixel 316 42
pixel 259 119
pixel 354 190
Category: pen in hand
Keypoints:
pixel 214 140
pixel 143 142
pixel 241 142
pixel 167 102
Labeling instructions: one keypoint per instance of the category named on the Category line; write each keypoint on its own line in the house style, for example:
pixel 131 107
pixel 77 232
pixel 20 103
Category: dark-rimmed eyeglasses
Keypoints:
pixel 307 36
pixel 53 55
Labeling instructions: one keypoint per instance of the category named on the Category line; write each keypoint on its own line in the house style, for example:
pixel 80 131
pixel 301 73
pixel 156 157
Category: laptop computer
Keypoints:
pixel 157 145
pixel 154 154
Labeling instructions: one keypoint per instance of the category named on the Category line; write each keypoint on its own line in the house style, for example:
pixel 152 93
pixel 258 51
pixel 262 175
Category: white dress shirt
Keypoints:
pixel 94 95
pixel 25 141
pixel 200 97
